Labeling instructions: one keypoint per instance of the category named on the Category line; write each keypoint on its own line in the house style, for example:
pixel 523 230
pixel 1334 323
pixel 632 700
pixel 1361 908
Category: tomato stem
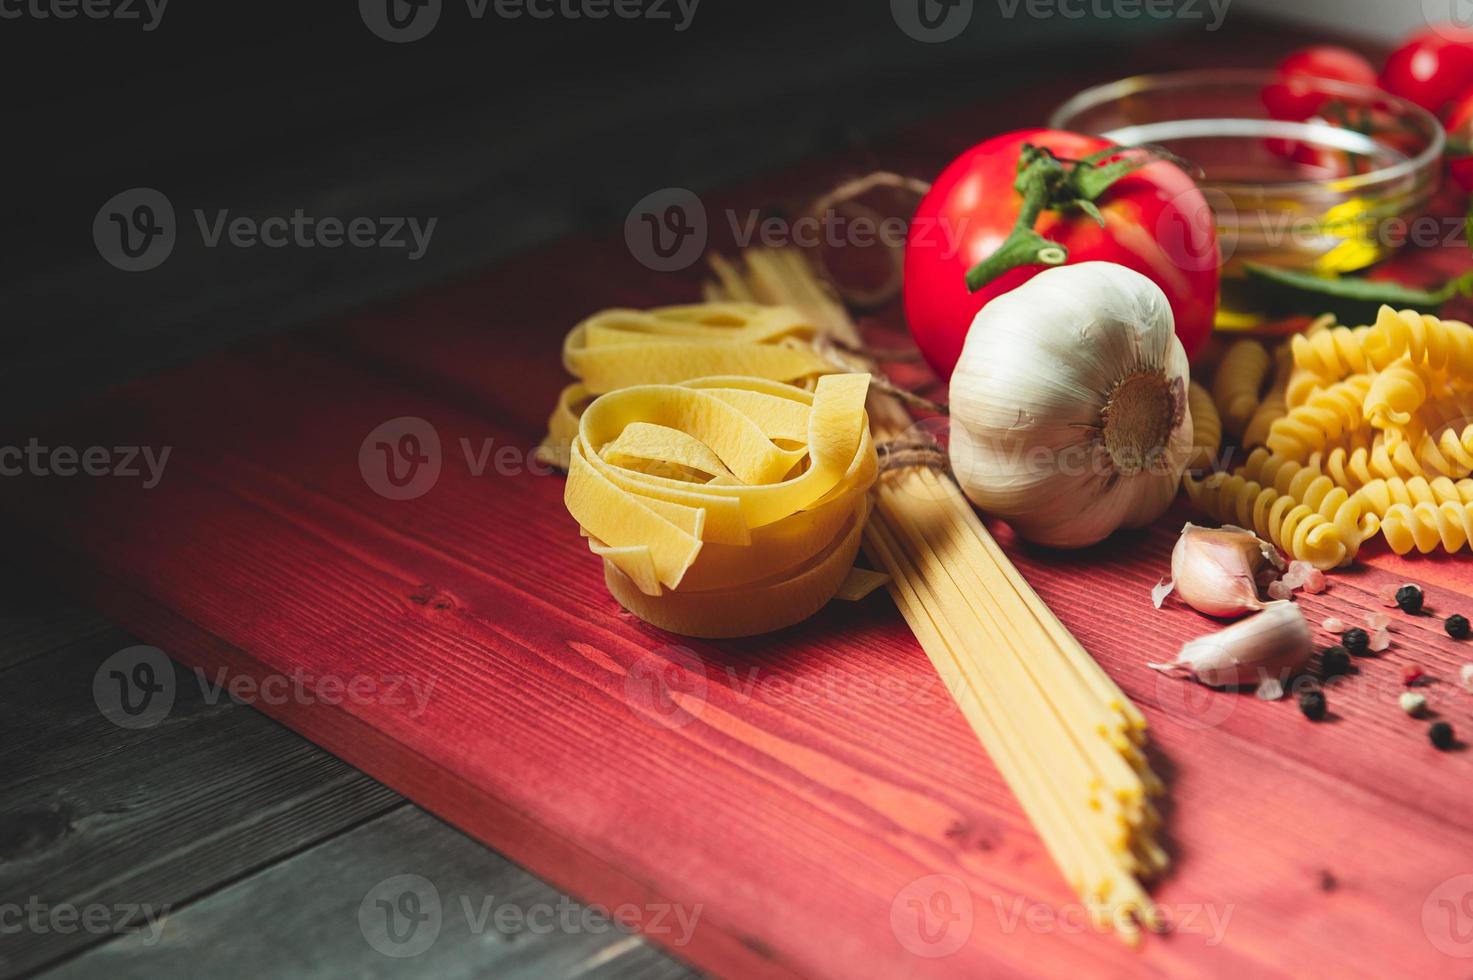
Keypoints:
pixel 1048 183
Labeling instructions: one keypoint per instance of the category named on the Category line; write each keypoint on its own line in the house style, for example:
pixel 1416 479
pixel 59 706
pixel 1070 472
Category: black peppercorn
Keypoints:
pixel 1456 626
pixel 1356 641
pixel 1409 598
pixel 1312 703
pixel 1334 661
pixel 1441 734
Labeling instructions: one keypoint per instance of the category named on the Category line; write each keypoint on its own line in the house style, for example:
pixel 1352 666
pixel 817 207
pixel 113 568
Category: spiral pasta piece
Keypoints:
pixel 1439 345
pixel 1425 526
pixel 1365 455
pixel 1206 428
pixel 1294 527
pixel 1379 496
pixel 724 506
pixel 1239 380
pixel 1326 416
pixel 1330 353
pixel 1443 439
pixel 1394 395
pixel 1313 488
pixel 1275 404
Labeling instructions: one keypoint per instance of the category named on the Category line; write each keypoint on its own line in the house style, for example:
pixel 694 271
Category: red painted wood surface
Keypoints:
pixel 798 789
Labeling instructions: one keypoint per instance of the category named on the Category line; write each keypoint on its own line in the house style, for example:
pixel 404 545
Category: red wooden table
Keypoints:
pixel 809 802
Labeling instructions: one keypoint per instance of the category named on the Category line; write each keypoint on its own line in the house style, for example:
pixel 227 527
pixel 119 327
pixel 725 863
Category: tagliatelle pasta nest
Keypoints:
pixel 726 506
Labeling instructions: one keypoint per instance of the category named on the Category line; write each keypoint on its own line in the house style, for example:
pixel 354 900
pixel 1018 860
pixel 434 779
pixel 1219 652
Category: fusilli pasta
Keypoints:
pixel 1294 527
pixel 1239 380
pixel 1206 428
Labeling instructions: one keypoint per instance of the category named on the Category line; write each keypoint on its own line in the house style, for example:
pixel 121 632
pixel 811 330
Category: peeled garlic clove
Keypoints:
pixel 1273 644
pixel 1217 570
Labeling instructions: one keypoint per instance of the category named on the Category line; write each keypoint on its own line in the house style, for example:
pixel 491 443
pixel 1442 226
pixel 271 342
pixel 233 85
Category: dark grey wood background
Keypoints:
pixel 510 133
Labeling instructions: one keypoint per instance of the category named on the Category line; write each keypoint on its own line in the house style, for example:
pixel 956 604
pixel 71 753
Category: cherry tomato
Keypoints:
pixel 1329 61
pixel 1157 222
pixel 1293 99
pixel 1460 142
pixel 1432 67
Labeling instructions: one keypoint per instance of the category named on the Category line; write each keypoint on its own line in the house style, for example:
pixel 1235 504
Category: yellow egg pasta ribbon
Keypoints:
pixel 618 348
pixel 725 506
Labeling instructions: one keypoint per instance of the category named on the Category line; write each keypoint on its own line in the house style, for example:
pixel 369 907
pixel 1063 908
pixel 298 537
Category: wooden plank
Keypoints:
pixel 97 816
pixel 820 772
pixel 267 532
pixel 317 913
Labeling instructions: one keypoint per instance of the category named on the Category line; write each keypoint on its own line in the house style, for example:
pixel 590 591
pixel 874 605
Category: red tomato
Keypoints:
pixel 1329 61
pixel 1460 142
pixel 1156 222
pixel 1293 99
pixel 1432 67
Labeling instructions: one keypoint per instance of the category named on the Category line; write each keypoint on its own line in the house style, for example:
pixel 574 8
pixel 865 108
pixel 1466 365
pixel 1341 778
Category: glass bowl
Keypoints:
pixel 1300 173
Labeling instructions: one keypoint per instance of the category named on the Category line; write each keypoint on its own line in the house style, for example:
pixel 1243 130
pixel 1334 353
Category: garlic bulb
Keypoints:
pixel 1068 407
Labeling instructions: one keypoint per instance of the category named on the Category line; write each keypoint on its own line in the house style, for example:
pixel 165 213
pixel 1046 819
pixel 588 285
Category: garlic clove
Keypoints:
pixel 1217 571
pixel 1273 644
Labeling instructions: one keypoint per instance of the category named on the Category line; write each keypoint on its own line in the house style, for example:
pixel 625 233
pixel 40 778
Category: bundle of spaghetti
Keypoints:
pixel 724 506
pixel 617 348
pixel 1064 736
